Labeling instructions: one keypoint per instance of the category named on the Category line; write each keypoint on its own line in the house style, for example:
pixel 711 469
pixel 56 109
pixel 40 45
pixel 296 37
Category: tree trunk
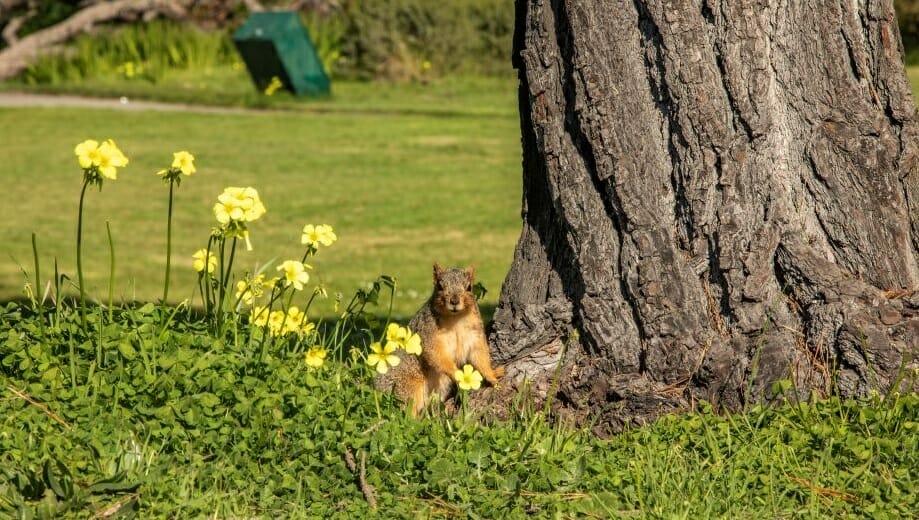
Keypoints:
pixel 718 195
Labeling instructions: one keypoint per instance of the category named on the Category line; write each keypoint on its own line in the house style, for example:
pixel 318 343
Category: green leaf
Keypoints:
pixel 60 481
pixel 479 290
pixel 114 484
pixel 127 350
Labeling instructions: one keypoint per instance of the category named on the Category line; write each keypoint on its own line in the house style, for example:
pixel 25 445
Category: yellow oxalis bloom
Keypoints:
pixel 238 205
pixel 110 158
pixel 295 273
pixel 199 261
pixel 383 357
pixel 276 323
pixel 105 156
pixel 394 333
pixel 87 153
pixel 184 162
pixel 247 291
pixel 468 378
pixel 403 337
pixel 244 293
pixel 412 345
pixel 315 235
pixel 295 321
pixel 315 356
pixel 259 316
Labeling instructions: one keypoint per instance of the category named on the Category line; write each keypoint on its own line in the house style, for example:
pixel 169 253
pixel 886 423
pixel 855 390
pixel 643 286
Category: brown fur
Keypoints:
pixel 452 335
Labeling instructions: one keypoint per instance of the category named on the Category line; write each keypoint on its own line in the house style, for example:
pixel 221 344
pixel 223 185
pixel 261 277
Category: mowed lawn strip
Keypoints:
pixel 401 190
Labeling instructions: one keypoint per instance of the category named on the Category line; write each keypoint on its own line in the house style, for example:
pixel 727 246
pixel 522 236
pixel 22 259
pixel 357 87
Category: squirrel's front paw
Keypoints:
pixel 499 372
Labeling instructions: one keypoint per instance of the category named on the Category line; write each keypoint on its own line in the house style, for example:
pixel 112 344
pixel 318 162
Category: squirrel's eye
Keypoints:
pixel 469 287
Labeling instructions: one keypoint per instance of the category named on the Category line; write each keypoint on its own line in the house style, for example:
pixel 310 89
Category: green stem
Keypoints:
pixel 207 294
pixel 169 244
pixel 56 322
pixel 111 273
pixel 80 257
pixel 38 303
pixel 218 303
pixel 224 280
pixel 73 364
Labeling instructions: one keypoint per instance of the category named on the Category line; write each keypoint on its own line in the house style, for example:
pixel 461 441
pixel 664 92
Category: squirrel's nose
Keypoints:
pixel 454 300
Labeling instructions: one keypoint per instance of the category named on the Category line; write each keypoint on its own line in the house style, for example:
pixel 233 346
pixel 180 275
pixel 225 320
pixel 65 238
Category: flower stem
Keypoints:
pixel 80 257
pixel 218 302
pixel 169 244
pixel 38 302
pixel 111 273
pixel 208 292
pixel 224 280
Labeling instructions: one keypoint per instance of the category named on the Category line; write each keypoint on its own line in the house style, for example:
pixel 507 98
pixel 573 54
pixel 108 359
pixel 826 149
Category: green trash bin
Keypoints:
pixel 276 44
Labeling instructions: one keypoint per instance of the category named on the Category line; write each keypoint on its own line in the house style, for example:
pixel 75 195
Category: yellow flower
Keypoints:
pixel 468 378
pixel 87 153
pixel 274 86
pixel 412 344
pixel 315 235
pixel 244 293
pixel 110 159
pixel 315 356
pixel 383 357
pixel 295 322
pixel 394 333
pixel 259 316
pixel 199 261
pixel 105 157
pixel 403 337
pixel 247 291
pixel 184 162
pixel 238 205
pixel 276 323
pixel 294 273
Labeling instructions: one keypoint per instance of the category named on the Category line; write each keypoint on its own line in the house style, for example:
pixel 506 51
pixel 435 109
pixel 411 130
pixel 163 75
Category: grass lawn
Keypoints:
pixel 913 74
pixel 407 176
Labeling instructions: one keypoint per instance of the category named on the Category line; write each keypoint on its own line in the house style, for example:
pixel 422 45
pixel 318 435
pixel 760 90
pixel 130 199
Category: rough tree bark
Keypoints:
pixel 718 195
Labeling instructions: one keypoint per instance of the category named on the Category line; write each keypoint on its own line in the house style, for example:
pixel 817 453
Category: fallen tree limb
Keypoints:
pixel 253 6
pixel 17 56
pixel 12 28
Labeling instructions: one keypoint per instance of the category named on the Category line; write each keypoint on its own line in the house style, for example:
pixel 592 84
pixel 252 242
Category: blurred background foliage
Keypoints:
pixel 397 40
pixel 908 18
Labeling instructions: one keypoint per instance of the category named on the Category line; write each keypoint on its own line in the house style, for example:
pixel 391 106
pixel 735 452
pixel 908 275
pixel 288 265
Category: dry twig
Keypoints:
pixel 24 396
pixel 115 507
pixel 361 475
pixel 822 491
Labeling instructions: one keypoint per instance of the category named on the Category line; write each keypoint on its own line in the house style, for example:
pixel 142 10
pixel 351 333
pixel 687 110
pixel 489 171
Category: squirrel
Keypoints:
pixel 452 335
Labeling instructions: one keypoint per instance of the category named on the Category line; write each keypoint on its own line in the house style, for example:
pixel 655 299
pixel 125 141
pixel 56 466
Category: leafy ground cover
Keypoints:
pixel 152 414
pixel 404 188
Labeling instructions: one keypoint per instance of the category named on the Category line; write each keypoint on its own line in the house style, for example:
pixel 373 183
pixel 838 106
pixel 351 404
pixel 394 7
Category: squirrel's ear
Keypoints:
pixel 470 273
pixel 438 270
